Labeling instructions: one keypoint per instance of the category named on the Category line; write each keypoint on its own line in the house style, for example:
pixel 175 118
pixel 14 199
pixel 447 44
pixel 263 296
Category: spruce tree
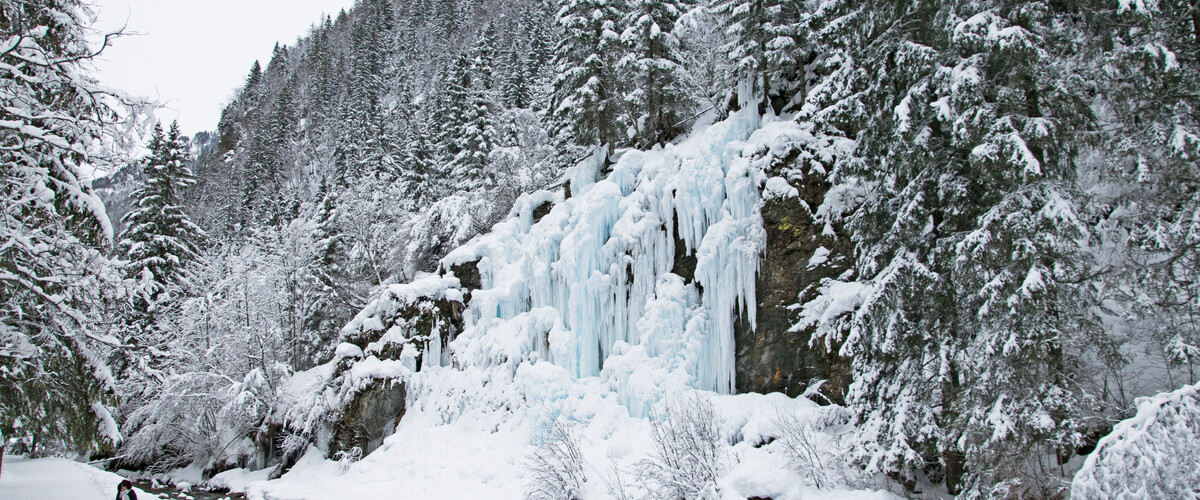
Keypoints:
pixel 364 145
pixel 477 137
pixel 1151 138
pixel 160 239
pixel 328 267
pixel 541 31
pixel 451 109
pixel 656 96
pixel 973 242
pixel 586 102
pixel 767 45
pixel 270 156
pixel 419 166
pixel 254 78
pixel 516 91
pixel 483 55
pixel 469 167
pixel 448 22
pixel 323 88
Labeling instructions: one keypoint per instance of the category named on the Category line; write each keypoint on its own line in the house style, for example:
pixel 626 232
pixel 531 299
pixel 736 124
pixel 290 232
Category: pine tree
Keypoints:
pixel 323 88
pixel 159 243
pixel 477 141
pixel 451 109
pixel 364 146
pixel 419 165
pixel 973 243
pixel 329 265
pixel 587 95
pixel 254 78
pixel 483 55
pixel 477 137
pixel 516 91
pixel 1151 139
pixel 270 155
pixel 448 22
pixel 541 29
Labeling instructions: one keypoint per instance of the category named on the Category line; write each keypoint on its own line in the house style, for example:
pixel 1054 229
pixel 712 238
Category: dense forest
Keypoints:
pixel 995 221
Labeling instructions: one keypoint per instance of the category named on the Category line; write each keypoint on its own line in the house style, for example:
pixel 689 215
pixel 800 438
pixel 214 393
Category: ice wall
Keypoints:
pixel 588 286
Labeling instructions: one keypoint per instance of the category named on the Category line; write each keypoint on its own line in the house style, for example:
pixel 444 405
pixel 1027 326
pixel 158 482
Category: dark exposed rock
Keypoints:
pixel 420 321
pixel 541 211
pixel 770 357
pixel 684 264
pixel 370 416
pixel 468 272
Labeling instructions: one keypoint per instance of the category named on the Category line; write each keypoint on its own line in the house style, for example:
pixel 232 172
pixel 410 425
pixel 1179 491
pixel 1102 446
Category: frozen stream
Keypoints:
pixel 167 492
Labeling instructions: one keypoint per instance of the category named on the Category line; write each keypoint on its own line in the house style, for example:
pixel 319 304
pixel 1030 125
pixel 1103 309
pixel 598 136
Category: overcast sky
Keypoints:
pixel 192 54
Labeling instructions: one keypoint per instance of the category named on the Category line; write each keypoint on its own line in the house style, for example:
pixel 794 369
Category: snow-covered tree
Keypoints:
pixel 158 243
pixel 767 45
pixel 56 124
pixel 1151 140
pixel 419 166
pixel 516 90
pixel 706 71
pixel 475 141
pixel 160 239
pixel 656 96
pixel 270 156
pixel 450 110
pixel 973 237
pixel 587 94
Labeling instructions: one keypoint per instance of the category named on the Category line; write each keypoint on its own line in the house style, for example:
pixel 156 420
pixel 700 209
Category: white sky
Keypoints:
pixel 192 55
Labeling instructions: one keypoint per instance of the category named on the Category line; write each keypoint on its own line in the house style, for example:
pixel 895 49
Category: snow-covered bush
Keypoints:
pixel 1154 454
pixel 346 458
pixel 823 459
pixel 689 453
pixel 557 465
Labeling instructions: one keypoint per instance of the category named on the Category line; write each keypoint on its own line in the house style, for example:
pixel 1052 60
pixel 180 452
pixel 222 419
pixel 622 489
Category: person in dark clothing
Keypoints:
pixel 125 491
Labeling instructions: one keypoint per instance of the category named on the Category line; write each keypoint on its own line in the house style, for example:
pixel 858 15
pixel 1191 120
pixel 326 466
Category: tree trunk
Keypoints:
pixel 955 467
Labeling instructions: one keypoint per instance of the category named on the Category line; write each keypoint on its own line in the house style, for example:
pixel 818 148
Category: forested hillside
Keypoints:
pixel 969 229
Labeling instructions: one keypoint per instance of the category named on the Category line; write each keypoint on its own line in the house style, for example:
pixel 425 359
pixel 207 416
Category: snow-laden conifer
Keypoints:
pixel 656 96
pixel 587 90
pixel 56 126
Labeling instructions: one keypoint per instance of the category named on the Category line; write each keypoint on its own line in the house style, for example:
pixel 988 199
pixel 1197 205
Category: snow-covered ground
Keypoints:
pixel 486 453
pixel 57 479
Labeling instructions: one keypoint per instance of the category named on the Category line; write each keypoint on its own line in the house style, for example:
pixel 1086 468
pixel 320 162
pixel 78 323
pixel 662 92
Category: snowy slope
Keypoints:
pixel 57 479
pixel 484 453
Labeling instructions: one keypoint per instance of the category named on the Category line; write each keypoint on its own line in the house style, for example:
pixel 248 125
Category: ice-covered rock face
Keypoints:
pixel 588 286
pixel 596 270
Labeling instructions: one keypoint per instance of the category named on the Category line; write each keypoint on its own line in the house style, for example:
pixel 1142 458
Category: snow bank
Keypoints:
pixel 58 479
pixel 446 450
pixel 237 480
